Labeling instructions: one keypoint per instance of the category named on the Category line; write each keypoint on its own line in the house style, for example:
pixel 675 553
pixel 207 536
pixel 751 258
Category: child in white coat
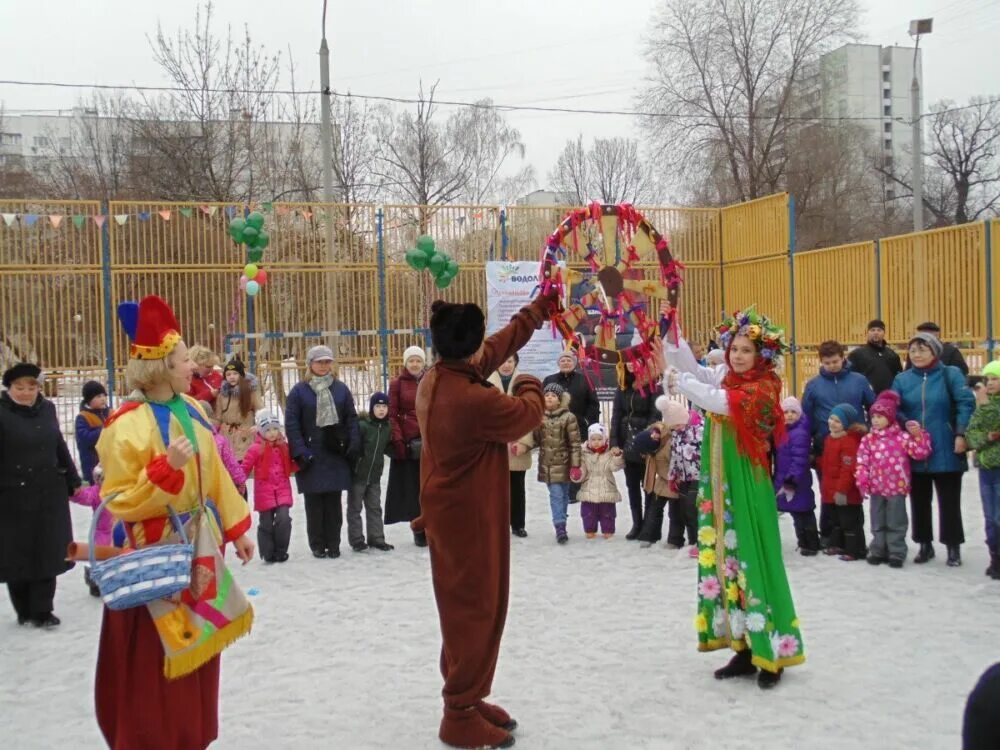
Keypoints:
pixel 598 490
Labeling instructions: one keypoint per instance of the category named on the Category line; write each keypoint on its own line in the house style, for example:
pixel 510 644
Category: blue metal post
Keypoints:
pixel 109 313
pixel 383 318
pixel 251 319
pixel 878 279
pixel 989 291
pixel 503 234
pixel 791 276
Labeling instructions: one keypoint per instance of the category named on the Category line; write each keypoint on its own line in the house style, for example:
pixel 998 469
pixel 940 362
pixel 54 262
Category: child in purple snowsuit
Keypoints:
pixel 91 497
pixel 793 477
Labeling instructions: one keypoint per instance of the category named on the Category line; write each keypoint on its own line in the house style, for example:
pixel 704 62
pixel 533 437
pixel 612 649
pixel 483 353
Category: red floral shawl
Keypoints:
pixel 755 410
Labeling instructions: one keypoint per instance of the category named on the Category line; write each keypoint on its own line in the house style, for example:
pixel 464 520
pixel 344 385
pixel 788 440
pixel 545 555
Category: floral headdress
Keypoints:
pixel 766 336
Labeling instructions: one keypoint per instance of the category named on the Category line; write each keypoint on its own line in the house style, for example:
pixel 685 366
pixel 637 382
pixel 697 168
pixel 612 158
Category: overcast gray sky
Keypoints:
pixel 575 53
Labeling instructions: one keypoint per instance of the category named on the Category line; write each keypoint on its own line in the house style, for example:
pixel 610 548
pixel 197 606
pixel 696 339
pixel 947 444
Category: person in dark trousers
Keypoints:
pixel 875 359
pixel 322 427
pixel 89 423
pixel 518 459
pixel 835 384
pixel 633 411
pixel 935 395
pixel 37 476
pixel 950 354
pixel 366 494
pixel 583 403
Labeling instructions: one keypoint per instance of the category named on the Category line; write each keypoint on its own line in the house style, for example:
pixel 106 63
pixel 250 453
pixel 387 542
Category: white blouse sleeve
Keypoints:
pixel 680 357
pixel 708 396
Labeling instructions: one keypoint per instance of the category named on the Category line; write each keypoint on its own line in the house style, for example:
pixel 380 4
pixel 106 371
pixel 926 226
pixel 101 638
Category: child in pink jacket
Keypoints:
pixel 883 473
pixel 272 467
pixel 91 497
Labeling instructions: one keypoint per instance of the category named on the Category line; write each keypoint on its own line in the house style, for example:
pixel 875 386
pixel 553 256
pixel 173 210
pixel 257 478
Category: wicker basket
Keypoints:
pixel 143 575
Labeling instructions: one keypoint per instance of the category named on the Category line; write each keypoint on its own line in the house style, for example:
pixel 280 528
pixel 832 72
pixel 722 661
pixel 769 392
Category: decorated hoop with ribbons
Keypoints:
pixel 612 240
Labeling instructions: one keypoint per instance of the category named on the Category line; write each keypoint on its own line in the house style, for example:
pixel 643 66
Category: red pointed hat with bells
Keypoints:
pixel 151 327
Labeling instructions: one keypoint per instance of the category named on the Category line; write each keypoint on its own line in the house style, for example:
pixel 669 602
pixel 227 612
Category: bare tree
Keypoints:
pixel 611 171
pixel 420 160
pixel 491 144
pixel 355 149
pixel 963 177
pixel 723 74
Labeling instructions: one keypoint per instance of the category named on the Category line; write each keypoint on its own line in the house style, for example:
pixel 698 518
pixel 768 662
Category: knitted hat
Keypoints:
pixel 266 419
pixel 846 413
pixel 791 404
pixel 91 390
pixel 414 351
pixel 319 353
pixel 674 413
pixel 457 330
pixel 886 404
pixel 151 327
pixel 876 324
pixel 645 444
pixel 235 365
pixel 376 399
pixel 992 370
pixel 929 340
pixel 21 370
pixel 929 327
pixel 597 429
pixel 555 388
pixel 568 354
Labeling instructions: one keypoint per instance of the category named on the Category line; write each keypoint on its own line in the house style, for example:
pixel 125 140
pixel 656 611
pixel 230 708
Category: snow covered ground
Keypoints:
pixel 599 652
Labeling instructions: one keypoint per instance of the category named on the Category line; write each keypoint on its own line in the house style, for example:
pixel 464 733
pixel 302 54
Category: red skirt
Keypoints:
pixel 137 707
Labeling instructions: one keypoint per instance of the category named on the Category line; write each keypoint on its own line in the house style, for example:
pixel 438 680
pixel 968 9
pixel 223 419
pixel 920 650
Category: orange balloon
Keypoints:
pixel 261 277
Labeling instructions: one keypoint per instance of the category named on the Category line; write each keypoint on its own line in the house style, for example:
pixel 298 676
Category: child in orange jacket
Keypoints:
pixel 838 486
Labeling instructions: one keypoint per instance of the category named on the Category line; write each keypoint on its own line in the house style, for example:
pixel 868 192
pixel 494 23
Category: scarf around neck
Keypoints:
pixel 326 411
pixel 755 410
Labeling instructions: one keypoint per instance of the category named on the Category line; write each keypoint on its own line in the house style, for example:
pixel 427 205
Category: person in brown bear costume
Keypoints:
pixel 465 504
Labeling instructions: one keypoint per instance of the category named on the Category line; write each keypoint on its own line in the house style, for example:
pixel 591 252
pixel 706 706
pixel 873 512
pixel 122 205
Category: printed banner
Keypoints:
pixel 509 287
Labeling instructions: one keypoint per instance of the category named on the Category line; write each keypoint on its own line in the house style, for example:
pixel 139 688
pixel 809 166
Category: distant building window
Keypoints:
pixel 10 139
pixel 64 143
pixel 885 76
pixel 887 127
pixel 887 110
pixel 890 194
pixel 41 141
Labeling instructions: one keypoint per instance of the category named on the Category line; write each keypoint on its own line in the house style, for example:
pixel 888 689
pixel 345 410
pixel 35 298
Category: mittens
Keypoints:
pixel 575 474
pixel 840 499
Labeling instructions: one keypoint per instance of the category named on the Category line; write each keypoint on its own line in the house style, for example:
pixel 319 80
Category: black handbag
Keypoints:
pixel 335 439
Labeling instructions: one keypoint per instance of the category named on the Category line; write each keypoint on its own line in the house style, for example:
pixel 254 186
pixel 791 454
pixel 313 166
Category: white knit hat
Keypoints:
pixel 674 413
pixel 414 351
pixel 266 419
pixel 597 429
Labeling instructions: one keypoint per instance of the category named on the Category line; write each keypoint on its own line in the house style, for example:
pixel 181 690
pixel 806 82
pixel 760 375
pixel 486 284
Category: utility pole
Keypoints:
pixel 917 28
pixel 326 135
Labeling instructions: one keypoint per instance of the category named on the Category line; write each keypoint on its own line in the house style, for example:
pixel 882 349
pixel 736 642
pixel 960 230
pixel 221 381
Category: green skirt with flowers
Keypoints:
pixel 743 594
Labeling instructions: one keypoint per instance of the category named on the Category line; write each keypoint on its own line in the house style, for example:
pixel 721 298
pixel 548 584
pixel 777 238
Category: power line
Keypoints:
pixel 474 105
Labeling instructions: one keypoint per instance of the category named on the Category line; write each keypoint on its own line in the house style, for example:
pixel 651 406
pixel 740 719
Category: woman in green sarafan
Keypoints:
pixel 744 602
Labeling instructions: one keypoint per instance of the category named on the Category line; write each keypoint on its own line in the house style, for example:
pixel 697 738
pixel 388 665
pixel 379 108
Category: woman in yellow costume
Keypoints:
pixel 157 683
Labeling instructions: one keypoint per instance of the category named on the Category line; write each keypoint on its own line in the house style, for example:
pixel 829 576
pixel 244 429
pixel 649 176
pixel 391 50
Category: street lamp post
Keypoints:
pixel 327 137
pixel 918 27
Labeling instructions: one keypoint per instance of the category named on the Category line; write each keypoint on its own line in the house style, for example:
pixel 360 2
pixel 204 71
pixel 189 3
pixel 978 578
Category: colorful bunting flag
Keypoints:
pixel 230 211
pixel 99 220
pixel 282 210
pixel 212 210
pixel 121 219
pixel 267 205
pixel 29 219
pixel 78 220
pixel 56 219
pixel 165 215
pixel 144 216
pixel 9 218
pixel 186 212
pixel 307 215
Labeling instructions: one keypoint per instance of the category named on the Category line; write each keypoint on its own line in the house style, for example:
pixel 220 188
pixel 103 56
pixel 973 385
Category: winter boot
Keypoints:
pixel 926 553
pixel 561 536
pixel 993 571
pixel 94 591
pixel 608 534
pixel 633 533
pixel 809 546
pixel 519 533
pixel 954 556
pixel 420 538
pixel 359 546
pixel 740 665
pixel 496 716
pixel 466 727
pixel 874 559
pixel 591 534
pixel 767 680
pixel 382 546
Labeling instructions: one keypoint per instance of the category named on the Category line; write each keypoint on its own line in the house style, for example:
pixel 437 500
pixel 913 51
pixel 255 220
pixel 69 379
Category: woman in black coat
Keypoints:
pixel 37 476
pixel 632 413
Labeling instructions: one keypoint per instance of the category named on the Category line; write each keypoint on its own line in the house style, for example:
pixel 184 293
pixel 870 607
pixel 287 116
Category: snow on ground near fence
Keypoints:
pixel 599 651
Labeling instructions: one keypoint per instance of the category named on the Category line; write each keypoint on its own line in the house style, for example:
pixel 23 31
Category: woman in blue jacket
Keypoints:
pixel 324 438
pixel 936 396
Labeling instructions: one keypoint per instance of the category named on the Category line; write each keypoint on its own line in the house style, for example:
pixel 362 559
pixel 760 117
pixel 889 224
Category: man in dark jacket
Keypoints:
pixel 950 354
pixel 876 360
pixel 834 385
pixel 583 403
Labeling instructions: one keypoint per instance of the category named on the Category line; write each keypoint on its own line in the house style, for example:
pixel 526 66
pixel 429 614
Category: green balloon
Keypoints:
pixel 254 255
pixel 416 259
pixel 250 236
pixel 263 239
pixel 442 282
pixel 236 226
pixel 452 268
pixel 425 243
pixel 438 264
pixel 256 220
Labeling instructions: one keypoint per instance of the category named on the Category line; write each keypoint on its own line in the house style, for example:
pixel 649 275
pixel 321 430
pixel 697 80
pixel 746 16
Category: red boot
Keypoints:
pixel 466 728
pixel 496 716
